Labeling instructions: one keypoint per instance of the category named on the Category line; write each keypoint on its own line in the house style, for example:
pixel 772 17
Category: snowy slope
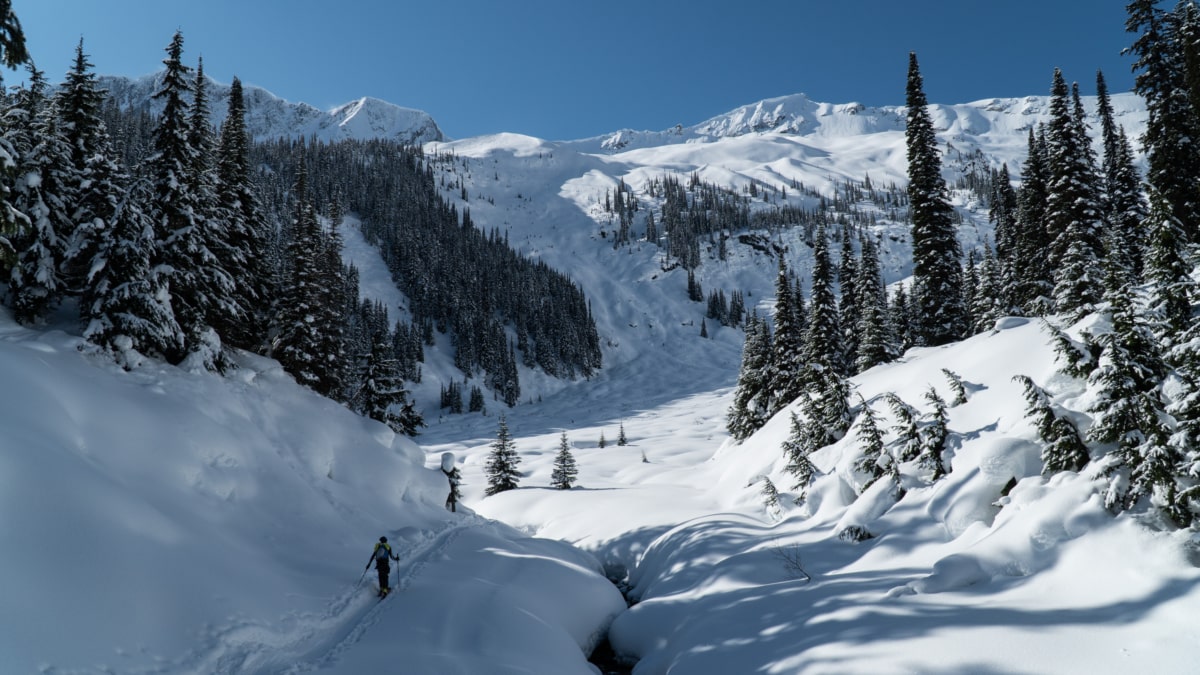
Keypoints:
pixel 269 117
pixel 161 521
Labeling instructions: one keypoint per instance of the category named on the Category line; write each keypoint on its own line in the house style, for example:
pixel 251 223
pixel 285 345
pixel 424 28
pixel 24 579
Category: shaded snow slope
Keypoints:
pixel 161 521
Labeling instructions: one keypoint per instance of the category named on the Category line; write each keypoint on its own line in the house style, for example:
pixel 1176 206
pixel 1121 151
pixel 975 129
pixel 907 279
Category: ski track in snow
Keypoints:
pixel 314 641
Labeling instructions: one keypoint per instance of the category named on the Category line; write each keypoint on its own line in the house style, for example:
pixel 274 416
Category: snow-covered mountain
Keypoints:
pixel 269 117
pixel 223 518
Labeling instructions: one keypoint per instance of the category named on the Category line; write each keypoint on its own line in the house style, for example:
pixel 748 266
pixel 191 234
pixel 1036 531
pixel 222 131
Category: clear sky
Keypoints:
pixel 567 69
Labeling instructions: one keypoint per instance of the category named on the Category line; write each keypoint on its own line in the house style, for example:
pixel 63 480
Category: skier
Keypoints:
pixel 382 555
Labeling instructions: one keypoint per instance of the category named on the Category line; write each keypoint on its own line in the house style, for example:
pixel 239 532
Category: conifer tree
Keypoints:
pixel 787 359
pixel 99 182
pixel 1168 270
pixel 751 397
pixel 1072 207
pixel 128 311
pixel 849 310
pixel 1029 264
pixel 501 467
pixel 244 247
pixel 1127 403
pixel 876 344
pixel 821 343
pixel 798 446
pixel 908 437
pixel 956 387
pixel 934 435
pixel 1064 449
pixel 1161 79
pixel 565 468
pixel 937 277
pixel 621 439
pixel 1124 205
pixel 382 396
pixel 41 194
pixel 874 462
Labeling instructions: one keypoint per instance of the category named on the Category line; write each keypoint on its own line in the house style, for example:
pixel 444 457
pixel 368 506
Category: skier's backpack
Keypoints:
pixel 382 551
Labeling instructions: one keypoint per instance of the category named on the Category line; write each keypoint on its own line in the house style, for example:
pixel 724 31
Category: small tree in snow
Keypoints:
pixel 565 469
pixel 956 386
pixel 872 462
pixel 933 435
pixel 908 436
pixel 501 467
pixel 621 439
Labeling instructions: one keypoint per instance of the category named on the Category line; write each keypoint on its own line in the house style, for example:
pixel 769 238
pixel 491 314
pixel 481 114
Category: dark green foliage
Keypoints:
pixel 751 398
pixel 796 449
pixel 1025 256
pixel 908 435
pixel 822 345
pixel 938 310
pixel 565 468
pixel 933 436
pixel 788 348
pixel 1072 207
pixel 1167 268
pixel 876 344
pixel 875 461
pixel 621 439
pixel 502 463
pixel 1064 449
pixel 382 396
pixel 956 387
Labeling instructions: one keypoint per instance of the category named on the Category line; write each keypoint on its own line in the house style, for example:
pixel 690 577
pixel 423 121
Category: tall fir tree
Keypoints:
pixel 1027 260
pixel 1072 206
pixel 502 463
pixel 751 397
pixel 876 344
pixel 787 361
pixel 822 344
pixel 1124 205
pixel 1160 51
pixel 1168 270
pixel 849 310
pixel 937 275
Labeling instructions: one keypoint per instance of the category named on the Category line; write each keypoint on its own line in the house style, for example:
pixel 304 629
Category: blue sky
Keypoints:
pixel 569 69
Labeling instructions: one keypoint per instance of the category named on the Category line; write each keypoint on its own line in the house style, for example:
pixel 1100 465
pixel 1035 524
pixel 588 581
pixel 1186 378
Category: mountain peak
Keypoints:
pixel 269 116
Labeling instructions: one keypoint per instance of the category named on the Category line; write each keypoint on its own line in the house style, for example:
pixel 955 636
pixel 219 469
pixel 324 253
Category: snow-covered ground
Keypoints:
pixel 161 521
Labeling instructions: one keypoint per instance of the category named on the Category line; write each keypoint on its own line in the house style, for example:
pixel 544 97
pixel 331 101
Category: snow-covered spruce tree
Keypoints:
pixel 565 469
pixel 1078 359
pixel 1168 270
pixel 382 396
pixel 900 317
pixel 1072 208
pixel 849 311
pixel 244 248
pixel 1003 214
pixel 1124 204
pixel 829 404
pixel 1186 411
pixel 876 344
pixel 822 345
pixel 621 438
pixel 501 467
pixel 42 193
pixel 1161 80
pixel 937 274
pixel 933 436
pixel 787 357
pixel 908 435
pixel 875 462
pixel 749 410
pixel 770 495
pixel 988 302
pixel 1064 449
pixel 304 313
pixel 601 443
pixel 1026 258
pixel 796 449
pixel 128 311
pixel 476 402
pixel 1128 408
pixel 181 255
pixel 99 180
